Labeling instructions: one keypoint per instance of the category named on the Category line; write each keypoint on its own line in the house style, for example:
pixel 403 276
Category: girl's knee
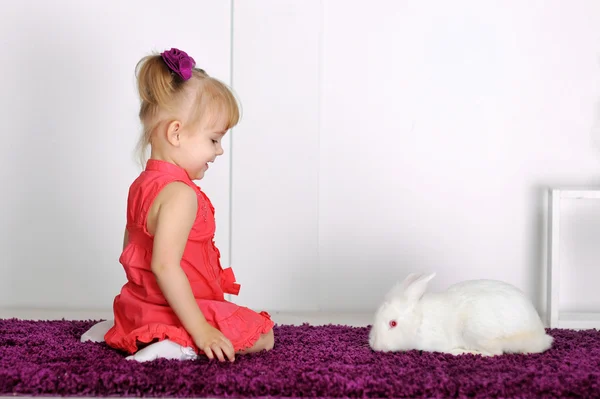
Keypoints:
pixel 268 340
pixel 265 342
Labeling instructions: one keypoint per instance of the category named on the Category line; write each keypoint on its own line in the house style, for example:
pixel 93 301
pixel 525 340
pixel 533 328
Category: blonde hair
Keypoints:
pixel 164 95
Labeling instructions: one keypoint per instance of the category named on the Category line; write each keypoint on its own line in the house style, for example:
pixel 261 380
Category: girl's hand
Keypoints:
pixel 213 342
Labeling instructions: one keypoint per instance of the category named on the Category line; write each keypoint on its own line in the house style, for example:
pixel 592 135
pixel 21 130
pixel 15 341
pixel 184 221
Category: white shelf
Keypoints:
pixel 580 193
pixel 555 317
pixel 578 321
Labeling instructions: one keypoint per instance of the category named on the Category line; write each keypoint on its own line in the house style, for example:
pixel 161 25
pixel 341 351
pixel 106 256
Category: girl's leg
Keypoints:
pixel 165 349
pixel 97 331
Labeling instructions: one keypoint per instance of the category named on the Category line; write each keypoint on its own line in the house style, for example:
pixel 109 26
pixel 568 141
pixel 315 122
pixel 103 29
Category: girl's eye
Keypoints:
pixel 215 141
pixel 393 323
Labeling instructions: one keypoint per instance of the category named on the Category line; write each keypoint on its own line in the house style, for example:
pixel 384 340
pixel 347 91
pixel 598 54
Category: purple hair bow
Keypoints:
pixel 179 62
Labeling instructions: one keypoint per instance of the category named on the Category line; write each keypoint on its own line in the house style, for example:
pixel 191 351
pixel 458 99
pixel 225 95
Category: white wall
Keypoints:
pixel 276 153
pixel 440 127
pixel 378 138
pixel 69 112
pixel 442 123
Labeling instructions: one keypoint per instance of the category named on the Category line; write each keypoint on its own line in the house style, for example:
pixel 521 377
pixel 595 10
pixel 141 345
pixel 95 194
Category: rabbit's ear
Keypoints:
pixel 411 278
pixel 400 289
pixel 397 290
pixel 416 287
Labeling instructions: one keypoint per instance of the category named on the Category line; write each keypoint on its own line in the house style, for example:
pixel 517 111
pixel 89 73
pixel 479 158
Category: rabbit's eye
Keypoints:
pixel 393 323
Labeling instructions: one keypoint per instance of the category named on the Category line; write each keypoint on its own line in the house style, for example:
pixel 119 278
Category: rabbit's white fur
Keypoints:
pixel 485 317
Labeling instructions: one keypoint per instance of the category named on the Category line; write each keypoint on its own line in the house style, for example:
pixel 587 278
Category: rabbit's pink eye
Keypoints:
pixel 393 323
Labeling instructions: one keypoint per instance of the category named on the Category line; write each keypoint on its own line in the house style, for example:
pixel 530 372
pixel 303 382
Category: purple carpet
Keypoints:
pixel 46 358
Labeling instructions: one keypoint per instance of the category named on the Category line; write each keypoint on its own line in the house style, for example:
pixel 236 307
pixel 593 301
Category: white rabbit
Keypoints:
pixel 484 317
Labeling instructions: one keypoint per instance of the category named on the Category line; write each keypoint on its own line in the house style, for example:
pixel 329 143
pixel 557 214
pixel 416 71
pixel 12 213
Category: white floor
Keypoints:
pixel 297 318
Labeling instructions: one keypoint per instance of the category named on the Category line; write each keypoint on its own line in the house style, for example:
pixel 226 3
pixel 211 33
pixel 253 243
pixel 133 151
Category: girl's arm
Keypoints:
pixel 174 219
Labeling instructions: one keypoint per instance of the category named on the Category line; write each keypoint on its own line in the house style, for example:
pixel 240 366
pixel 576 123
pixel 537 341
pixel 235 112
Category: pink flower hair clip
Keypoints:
pixel 179 62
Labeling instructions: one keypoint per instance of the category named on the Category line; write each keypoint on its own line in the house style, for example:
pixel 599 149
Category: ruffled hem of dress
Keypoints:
pixel 147 334
pixel 251 340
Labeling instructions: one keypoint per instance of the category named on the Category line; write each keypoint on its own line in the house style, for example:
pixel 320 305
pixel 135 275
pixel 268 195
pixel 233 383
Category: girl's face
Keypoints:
pixel 200 146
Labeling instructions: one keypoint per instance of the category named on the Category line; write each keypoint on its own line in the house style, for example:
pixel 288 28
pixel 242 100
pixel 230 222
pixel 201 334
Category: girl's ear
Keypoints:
pixel 173 131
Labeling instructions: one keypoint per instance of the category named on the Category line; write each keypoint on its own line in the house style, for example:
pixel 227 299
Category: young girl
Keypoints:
pixel 173 305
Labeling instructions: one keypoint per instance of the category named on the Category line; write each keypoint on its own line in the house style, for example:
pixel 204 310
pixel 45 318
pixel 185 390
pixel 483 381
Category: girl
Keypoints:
pixel 173 305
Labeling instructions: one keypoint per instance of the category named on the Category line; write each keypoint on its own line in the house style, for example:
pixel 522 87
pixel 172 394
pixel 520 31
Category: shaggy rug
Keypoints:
pixel 46 358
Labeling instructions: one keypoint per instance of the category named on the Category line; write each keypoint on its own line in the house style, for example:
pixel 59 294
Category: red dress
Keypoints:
pixel 141 312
